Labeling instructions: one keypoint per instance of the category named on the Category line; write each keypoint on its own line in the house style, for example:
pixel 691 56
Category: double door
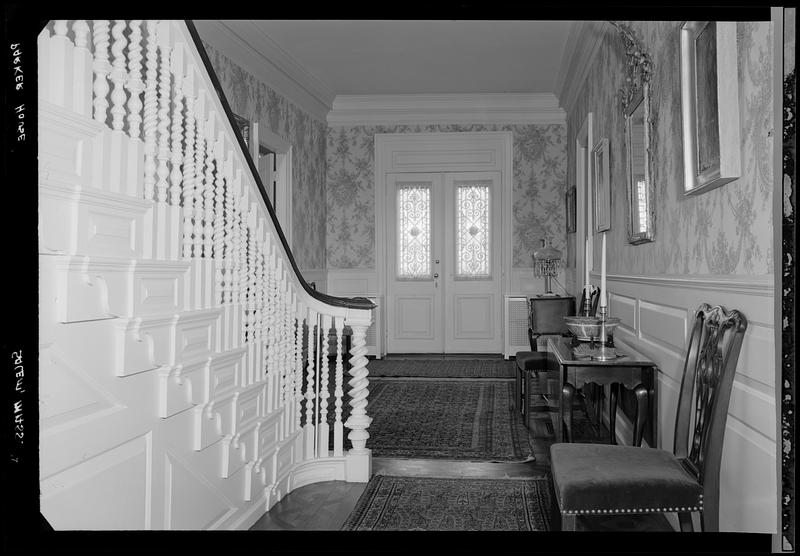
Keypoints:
pixel 443 263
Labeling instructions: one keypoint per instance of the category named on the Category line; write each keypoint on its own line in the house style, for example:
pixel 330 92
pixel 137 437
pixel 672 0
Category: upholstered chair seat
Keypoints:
pixel 606 479
pixel 612 479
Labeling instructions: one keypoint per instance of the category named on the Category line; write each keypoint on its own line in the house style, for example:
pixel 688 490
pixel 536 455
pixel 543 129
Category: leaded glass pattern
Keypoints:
pixel 472 230
pixel 413 231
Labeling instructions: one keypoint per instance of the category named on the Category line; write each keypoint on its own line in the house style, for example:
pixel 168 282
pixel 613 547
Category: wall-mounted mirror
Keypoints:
pixel 640 184
pixel 635 98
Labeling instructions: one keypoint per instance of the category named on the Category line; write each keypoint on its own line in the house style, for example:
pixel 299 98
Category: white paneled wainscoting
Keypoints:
pixel 655 312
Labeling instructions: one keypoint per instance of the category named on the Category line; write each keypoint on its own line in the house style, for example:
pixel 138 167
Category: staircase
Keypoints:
pixel 184 369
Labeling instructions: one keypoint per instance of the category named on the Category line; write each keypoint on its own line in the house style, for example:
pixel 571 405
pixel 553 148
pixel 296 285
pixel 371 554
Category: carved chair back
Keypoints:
pixel 711 357
pixel 593 300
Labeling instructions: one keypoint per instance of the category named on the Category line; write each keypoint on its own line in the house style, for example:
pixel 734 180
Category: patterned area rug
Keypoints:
pixel 442 368
pixel 457 419
pixel 427 504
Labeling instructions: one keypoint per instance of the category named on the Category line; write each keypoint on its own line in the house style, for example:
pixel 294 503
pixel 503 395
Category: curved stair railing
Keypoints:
pixel 161 149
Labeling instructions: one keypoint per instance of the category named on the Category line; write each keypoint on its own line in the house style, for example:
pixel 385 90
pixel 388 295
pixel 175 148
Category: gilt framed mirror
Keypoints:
pixel 641 215
pixel 635 100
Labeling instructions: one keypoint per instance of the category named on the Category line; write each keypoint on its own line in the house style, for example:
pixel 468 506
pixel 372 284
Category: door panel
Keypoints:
pixel 472 280
pixel 414 296
pixel 444 263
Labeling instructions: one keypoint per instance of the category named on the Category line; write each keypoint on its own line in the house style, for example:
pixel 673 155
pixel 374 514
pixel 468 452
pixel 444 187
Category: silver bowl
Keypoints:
pixel 586 328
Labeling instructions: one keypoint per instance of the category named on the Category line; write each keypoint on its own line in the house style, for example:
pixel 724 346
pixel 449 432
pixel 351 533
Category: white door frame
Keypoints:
pixel 283 189
pixel 479 151
pixel 583 152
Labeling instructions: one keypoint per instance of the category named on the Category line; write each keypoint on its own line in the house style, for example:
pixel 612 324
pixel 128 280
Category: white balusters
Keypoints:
pixel 252 263
pixel 176 177
pixel 189 176
pixel 338 430
pixel 359 421
pixel 150 110
pixel 298 367
pixel 101 68
pixel 118 75
pixel 134 83
pixel 81 30
pixel 60 28
pixel 208 191
pixel 199 178
pixel 221 238
pixel 164 86
pixel 230 240
pixel 324 429
pixel 310 391
pixel 82 84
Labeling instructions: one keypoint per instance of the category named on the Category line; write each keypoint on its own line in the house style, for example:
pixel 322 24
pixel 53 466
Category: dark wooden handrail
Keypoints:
pixel 349 302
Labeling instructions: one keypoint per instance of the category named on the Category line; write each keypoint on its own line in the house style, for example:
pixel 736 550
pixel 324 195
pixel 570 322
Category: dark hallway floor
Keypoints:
pixel 326 506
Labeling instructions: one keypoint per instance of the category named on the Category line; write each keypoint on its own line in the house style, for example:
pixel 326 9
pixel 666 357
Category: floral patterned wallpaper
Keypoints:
pixel 724 231
pixel 539 167
pixel 252 99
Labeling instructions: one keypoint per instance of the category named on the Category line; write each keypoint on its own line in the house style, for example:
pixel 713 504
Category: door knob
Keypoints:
pixel 435 274
pixel 437 261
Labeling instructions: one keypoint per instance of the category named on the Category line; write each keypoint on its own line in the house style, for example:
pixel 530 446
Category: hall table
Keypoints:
pixel 631 369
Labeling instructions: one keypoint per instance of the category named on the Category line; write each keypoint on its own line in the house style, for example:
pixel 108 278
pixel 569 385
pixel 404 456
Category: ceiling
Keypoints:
pixel 423 57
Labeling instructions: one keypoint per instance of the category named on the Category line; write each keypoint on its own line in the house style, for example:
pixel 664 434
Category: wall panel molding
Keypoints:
pixel 664 305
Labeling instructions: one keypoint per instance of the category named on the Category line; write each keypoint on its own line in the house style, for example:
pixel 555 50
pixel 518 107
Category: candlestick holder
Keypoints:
pixel 603 352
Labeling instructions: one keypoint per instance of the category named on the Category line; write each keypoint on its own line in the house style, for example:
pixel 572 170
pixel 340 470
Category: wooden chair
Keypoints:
pixel 535 360
pixel 603 479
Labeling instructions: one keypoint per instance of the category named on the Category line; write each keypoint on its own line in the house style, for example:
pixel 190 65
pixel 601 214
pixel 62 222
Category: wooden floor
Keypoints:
pixel 326 506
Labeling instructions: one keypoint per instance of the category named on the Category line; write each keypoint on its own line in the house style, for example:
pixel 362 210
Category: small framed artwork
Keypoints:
pixel 709 105
pixel 601 186
pixel 244 128
pixel 571 210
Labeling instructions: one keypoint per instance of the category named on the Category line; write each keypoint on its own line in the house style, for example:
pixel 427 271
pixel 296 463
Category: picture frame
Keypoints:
pixel 601 186
pixel 244 128
pixel 571 209
pixel 709 105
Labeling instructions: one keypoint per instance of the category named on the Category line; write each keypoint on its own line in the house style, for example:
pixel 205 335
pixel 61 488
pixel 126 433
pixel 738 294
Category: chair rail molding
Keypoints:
pixel 655 311
pixel 489 108
pixel 245 44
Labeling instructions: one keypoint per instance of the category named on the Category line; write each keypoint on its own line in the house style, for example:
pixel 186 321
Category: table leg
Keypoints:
pixel 612 412
pixel 567 399
pixel 642 410
pixel 526 398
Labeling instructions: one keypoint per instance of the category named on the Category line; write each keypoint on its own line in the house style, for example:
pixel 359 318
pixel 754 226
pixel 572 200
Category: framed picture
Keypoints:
pixel 601 186
pixel 571 210
pixel 709 105
pixel 244 128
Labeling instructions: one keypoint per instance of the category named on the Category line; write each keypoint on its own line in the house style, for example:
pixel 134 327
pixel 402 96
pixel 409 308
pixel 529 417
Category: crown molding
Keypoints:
pixel 249 47
pixel 489 108
pixel 583 44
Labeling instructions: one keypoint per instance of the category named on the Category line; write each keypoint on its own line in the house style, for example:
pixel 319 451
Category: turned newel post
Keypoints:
pixel 359 464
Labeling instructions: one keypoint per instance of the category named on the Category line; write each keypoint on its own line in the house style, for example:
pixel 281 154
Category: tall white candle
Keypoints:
pixel 603 274
pixel 586 261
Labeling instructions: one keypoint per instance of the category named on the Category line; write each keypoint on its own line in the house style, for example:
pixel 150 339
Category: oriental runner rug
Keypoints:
pixel 459 419
pixel 442 368
pixel 429 504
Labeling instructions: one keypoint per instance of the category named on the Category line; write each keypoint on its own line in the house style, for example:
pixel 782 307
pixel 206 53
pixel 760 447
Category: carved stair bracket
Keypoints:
pixel 182 387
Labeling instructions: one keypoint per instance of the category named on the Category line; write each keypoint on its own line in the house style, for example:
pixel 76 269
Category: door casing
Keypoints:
pixel 444 152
